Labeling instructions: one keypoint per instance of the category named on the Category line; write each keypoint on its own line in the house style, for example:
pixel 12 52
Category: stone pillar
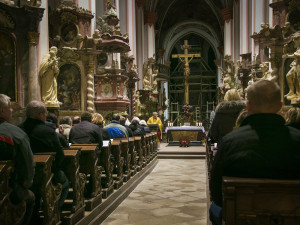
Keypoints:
pixel 33 80
pixel 140 39
pixel 150 19
pixel 227 17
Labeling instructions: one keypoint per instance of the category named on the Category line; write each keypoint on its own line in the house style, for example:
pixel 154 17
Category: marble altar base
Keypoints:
pixel 185 133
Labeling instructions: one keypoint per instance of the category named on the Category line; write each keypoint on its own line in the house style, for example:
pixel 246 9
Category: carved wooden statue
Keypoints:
pixel 48 72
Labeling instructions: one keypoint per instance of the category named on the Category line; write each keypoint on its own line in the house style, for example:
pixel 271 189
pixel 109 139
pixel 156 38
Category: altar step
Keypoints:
pixel 176 152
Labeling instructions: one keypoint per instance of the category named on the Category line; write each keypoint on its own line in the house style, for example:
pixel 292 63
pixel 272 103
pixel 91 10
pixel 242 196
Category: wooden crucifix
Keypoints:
pixel 184 58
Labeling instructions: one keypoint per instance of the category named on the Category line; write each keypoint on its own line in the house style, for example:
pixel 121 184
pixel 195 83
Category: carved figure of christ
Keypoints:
pixel 184 58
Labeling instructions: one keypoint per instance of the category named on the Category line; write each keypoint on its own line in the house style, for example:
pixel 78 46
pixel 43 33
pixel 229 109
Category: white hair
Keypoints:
pixel 4 101
pixel 136 118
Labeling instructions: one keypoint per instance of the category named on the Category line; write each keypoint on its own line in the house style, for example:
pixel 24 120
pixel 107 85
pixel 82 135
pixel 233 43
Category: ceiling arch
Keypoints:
pixel 187 27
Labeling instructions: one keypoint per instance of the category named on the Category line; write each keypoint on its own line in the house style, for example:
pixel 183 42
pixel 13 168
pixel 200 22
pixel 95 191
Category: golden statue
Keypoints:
pixel 48 72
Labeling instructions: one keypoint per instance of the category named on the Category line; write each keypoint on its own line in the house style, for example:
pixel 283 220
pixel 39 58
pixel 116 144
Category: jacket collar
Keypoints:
pixel 262 119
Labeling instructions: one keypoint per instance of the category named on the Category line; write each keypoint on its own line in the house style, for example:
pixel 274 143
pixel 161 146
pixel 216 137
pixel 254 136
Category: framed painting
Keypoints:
pixel 69 87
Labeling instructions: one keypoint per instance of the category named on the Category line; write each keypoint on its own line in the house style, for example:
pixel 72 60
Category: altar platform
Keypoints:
pixel 185 133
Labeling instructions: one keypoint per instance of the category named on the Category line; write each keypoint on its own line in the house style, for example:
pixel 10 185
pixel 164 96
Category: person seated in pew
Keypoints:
pixel 65 125
pixel 292 117
pixel 114 128
pixel 226 115
pixel 122 122
pixel 15 146
pixel 137 130
pixel 51 121
pixel 243 114
pixel 86 132
pixel 262 147
pixel 76 120
pixel 97 119
pixel 145 127
pixel 44 139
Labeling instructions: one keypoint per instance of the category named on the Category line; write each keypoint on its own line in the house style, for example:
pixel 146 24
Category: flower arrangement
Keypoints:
pixel 184 143
pixel 203 135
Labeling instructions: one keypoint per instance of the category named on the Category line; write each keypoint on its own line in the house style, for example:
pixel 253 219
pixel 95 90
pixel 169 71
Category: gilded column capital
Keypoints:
pixel 33 38
pixel 227 14
pixel 141 3
pixel 150 18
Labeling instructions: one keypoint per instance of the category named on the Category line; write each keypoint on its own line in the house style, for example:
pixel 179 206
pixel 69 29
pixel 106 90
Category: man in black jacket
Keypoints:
pixel 263 147
pixel 86 132
pixel 44 139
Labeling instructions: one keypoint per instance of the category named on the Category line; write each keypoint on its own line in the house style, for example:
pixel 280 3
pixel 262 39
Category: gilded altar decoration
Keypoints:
pixel 48 72
pixel 154 81
pixel 147 75
pixel 7 66
pixel 292 77
pixel 69 87
pixel 106 91
pixel 69 32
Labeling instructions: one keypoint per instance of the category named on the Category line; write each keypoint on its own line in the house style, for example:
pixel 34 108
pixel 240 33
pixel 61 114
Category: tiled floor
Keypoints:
pixel 174 193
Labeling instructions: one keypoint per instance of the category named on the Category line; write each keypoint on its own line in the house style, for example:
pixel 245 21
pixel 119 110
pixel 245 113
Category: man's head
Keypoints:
pixel 5 108
pixel 66 120
pixel 86 116
pixel 116 117
pixel 122 120
pixel 36 110
pixel 155 115
pixel 263 97
pixel 76 120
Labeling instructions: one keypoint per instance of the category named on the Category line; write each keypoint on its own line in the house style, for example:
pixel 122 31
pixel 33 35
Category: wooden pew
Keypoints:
pixel 88 165
pixel 151 146
pixel 118 163
pixel 77 179
pixel 147 145
pixel 132 153
pixel 126 156
pixel 139 150
pixel 154 141
pixel 9 213
pixel 107 182
pixel 260 201
pixel 50 193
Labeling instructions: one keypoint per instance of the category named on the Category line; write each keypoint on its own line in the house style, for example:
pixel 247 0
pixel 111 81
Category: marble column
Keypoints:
pixel 33 80
pixel 150 19
pixel 227 16
pixel 140 40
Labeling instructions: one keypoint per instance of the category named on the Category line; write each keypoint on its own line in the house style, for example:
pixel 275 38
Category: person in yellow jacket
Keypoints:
pixel 156 120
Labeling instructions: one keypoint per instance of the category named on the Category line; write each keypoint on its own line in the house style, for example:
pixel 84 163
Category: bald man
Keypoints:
pixel 263 147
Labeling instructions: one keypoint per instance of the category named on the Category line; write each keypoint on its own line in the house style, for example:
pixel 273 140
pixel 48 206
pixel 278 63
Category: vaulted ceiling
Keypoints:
pixel 173 12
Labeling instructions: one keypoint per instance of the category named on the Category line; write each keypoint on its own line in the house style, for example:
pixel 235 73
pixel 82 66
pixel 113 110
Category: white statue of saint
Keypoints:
pixel 48 72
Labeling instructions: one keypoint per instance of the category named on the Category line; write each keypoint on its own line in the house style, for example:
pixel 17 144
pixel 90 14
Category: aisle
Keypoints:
pixel 174 193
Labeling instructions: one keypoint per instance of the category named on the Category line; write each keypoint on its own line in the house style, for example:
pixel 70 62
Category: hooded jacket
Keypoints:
pixel 225 117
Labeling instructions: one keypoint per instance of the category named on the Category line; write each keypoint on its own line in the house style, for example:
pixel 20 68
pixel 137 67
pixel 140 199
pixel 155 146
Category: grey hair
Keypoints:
pixel 154 113
pixel 34 108
pixel 4 101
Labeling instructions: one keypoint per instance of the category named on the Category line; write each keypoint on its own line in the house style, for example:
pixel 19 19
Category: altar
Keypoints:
pixel 185 133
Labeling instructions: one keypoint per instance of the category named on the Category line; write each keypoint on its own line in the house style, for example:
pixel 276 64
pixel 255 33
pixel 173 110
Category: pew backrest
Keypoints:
pixel 260 201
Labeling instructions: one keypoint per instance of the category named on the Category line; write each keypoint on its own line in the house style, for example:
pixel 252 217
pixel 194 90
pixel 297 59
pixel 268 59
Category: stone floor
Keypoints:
pixel 174 193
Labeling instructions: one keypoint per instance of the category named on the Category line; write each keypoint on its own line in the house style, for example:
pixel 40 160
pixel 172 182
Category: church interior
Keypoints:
pixel 142 60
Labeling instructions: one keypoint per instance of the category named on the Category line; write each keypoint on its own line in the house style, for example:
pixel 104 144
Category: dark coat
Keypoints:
pixel 130 133
pixel 225 117
pixel 43 139
pixel 15 146
pixel 86 133
pixel 62 138
pixel 263 147
pixel 295 125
